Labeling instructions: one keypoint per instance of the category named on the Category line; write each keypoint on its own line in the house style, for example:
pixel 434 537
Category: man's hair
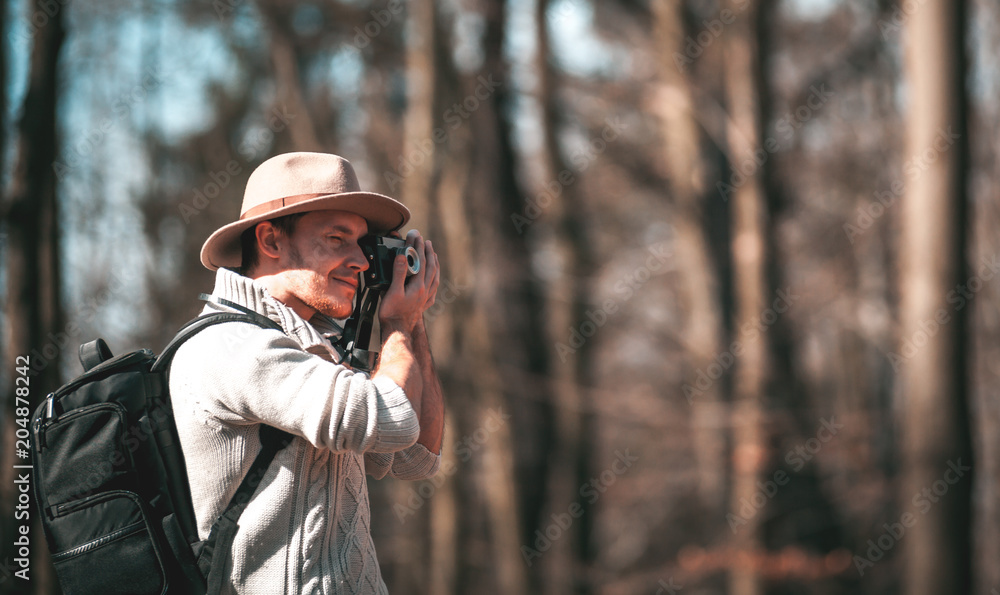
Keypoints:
pixel 248 241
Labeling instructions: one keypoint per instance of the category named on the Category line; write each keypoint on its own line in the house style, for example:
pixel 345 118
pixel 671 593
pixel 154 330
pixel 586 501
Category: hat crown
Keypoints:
pixel 296 174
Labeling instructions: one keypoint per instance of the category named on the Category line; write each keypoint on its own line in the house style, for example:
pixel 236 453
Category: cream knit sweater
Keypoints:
pixel 306 529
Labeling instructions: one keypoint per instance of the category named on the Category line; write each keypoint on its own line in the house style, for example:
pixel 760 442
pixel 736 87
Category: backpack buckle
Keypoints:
pixel 50 406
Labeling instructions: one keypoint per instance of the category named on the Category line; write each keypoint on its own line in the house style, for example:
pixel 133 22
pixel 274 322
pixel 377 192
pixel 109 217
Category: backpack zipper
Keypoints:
pixel 100 541
pixel 88 376
pixel 102 367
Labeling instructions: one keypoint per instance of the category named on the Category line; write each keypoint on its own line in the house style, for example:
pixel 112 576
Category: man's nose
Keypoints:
pixel 357 260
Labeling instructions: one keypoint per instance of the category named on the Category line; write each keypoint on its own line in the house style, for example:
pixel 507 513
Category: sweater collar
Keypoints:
pixel 316 335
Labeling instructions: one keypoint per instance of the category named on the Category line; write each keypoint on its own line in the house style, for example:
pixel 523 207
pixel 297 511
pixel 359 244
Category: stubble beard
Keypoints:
pixel 313 294
pixel 311 288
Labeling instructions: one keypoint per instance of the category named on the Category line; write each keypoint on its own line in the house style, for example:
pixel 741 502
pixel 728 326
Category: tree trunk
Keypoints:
pixel 495 184
pixel 427 564
pixel 682 162
pixel 568 300
pixel 483 328
pixel 749 218
pixel 34 316
pixel 419 148
pixel 931 363
pixel 284 60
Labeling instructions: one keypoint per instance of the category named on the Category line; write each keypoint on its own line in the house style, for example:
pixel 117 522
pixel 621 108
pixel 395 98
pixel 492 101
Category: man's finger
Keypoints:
pixel 433 265
pixel 420 246
pixel 398 275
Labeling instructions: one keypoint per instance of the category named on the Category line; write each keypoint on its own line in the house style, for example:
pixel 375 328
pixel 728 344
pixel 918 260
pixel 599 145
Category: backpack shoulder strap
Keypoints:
pixel 220 301
pixel 215 552
pixel 195 326
pixel 170 447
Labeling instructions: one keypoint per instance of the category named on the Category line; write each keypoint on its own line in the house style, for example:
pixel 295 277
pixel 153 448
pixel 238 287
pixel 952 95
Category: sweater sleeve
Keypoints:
pixel 415 462
pixel 253 375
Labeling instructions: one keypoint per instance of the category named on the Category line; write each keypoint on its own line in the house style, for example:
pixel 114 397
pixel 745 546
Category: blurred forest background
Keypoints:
pixel 719 304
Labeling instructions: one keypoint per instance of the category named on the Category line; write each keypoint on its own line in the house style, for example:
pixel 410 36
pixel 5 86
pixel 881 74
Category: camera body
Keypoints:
pixel 381 251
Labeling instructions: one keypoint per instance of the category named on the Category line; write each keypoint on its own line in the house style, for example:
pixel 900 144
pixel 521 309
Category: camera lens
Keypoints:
pixel 412 261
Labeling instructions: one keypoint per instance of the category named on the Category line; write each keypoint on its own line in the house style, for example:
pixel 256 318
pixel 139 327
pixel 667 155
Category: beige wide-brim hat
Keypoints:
pixel 296 183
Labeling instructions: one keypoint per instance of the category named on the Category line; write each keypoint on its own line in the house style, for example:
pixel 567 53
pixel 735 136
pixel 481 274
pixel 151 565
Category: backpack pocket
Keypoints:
pixel 84 452
pixel 105 544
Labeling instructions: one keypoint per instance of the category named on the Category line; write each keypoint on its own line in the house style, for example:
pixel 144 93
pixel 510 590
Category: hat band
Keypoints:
pixel 274 205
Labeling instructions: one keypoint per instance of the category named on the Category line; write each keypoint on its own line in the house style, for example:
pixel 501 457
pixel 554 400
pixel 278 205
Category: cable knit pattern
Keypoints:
pixel 307 528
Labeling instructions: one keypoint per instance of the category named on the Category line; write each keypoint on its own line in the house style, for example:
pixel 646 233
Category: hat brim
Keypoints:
pixel 383 214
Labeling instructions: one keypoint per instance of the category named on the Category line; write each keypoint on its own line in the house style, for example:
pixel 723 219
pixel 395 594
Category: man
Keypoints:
pixel 293 256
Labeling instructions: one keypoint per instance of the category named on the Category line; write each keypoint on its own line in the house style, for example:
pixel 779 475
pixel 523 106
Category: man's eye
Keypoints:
pixel 335 238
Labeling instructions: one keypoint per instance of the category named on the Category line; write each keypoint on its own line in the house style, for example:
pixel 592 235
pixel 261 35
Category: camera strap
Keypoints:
pixel 357 337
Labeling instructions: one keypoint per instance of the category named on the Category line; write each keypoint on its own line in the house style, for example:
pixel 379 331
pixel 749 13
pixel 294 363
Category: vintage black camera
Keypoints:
pixel 381 251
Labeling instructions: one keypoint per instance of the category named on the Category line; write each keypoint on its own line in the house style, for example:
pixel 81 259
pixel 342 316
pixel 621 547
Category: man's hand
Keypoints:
pixel 407 298
pixel 406 357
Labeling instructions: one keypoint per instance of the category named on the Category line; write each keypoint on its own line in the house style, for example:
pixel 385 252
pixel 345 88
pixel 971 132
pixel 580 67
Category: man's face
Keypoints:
pixel 324 260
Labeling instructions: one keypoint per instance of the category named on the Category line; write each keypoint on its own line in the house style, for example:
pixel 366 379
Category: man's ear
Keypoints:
pixel 267 240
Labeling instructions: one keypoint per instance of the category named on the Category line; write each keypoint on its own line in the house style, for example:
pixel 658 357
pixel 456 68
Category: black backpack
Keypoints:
pixel 110 479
